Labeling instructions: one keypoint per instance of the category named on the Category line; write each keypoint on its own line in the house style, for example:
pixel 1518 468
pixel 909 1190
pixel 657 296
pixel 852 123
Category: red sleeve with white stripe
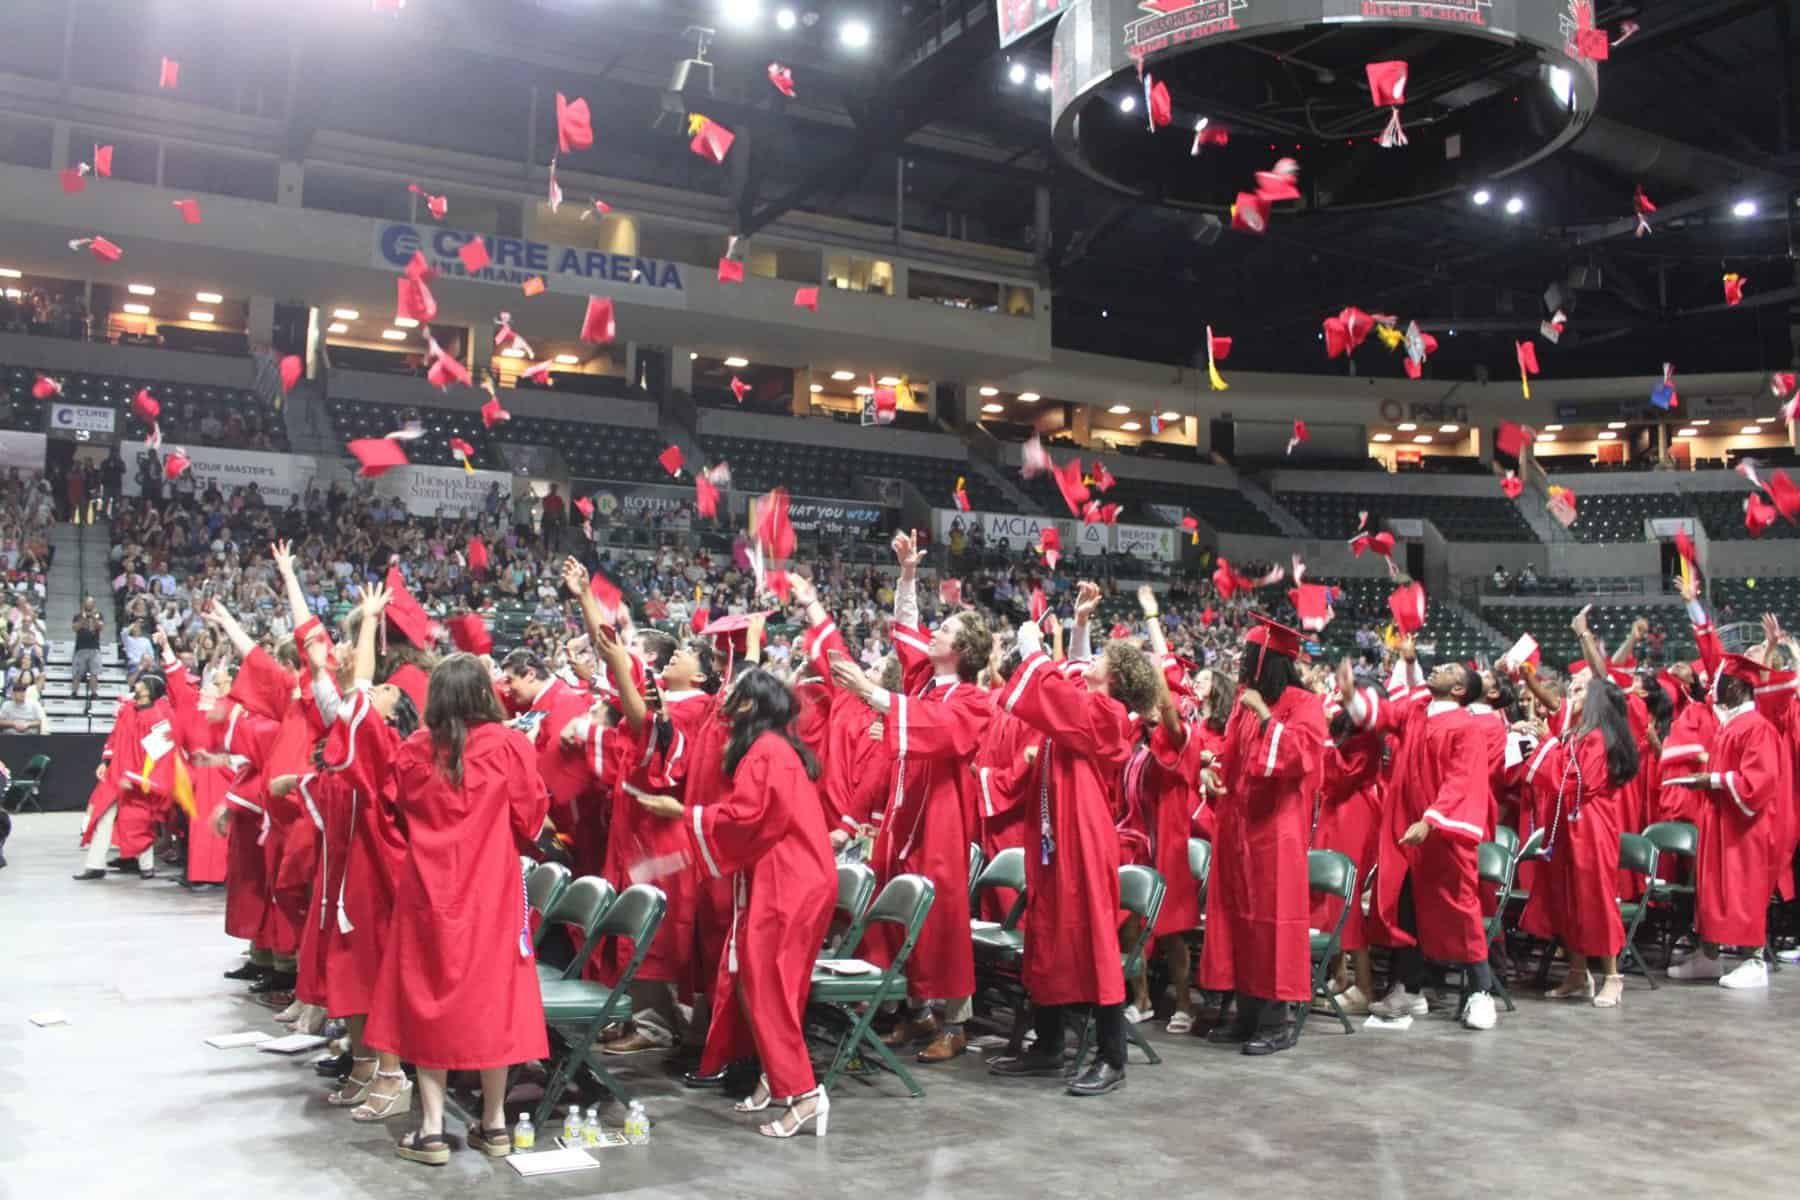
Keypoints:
pixel 913 646
pixel 822 641
pixel 1706 638
pixel 1283 750
pixel 1075 718
pixel 734 833
pixel 951 724
pixel 1753 775
pixel 1460 808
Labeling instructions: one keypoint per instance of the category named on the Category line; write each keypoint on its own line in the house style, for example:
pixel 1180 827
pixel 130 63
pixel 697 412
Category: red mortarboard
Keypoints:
pixel 176 462
pixel 739 389
pixel 1068 481
pixel 1208 617
pixel 291 369
pixel 1759 514
pixel 444 369
pixel 1300 435
pixel 731 271
pixel 584 506
pixel 437 206
pixel 145 407
pixel 73 181
pixel 99 247
pixel 534 286
pixel 412 679
pixel 1050 545
pixel 1272 636
pixel 1782 383
pixel 474 255
pixel 1096 513
pixel 950 592
pixel 1527 355
pixel 1785 495
pixel 1250 212
pixel 598 325
pixel 492 414
pixel 1103 478
pixel 1337 337
pixel 1560 504
pixel 574 128
pixel 477 554
pixel 1191 523
pixel 1040 604
pixel 404 614
pixel 419 268
pixel 1278 183
pixel 190 210
pixel 1407 603
pixel 671 460
pixel 1734 289
pixel 1313 602
pixel 706 496
pixel 461 449
pixel 782 79
pixel 711 140
pixel 1512 438
pixel 103 161
pixel 45 387
pixel 376 455
pixel 1387 89
pixel 470 634
pixel 1381 543
pixel 1684 546
pixel 1512 485
pixel 961 494
pixel 170 75
pixel 1593 44
pixel 774 532
pixel 807 298
pixel 1207 133
pixel 1162 110
pixel 414 301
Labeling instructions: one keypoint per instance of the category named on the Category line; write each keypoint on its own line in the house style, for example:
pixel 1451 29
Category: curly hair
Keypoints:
pixel 973 643
pixel 1132 677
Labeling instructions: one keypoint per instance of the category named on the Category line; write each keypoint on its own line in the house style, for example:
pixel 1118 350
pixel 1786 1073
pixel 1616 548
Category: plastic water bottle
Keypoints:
pixel 590 1131
pixel 637 1124
pixel 524 1133
pixel 572 1126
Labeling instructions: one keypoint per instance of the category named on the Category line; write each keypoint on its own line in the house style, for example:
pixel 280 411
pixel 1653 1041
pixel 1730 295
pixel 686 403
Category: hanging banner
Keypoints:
pixel 511 261
pixel 808 515
pixel 1155 542
pixel 278 477
pixel 445 491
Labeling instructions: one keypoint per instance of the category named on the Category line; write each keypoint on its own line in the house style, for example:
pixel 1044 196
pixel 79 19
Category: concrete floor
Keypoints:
pixel 1679 1092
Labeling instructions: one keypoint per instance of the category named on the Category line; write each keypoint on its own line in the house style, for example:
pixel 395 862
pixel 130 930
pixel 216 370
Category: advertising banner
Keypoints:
pixel 278 477
pixel 1146 541
pixel 82 418
pixel 452 491
pixel 511 261
pixel 1018 531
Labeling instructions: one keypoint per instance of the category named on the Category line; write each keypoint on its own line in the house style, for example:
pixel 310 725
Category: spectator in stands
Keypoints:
pixel 139 653
pixel 1502 580
pixel 112 476
pixel 1528 580
pixel 27 659
pixel 88 624
pixel 21 713
pixel 553 519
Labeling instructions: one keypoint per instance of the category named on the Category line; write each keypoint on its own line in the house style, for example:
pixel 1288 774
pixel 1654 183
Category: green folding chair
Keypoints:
pixel 856 889
pixel 581 903
pixel 1141 892
pixel 1495 863
pixel 1200 865
pixel 1678 840
pixel 975 860
pixel 576 1010
pixel 1330 872
pixel 1004 946
pixel 544 885
pixel 26 785
pixel 1638 854
pixel 855 998
pixel 1507 839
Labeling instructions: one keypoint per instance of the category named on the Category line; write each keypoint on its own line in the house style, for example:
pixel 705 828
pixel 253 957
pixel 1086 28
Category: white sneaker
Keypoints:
pixel 1751 973
pixel 1353 1002
pixel 1697 966
pixel 1400 1003
pixel 1479 1012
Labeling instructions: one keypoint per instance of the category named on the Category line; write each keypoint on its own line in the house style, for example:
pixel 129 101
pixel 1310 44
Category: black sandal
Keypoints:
pixel 433 1150
pixel 495 1143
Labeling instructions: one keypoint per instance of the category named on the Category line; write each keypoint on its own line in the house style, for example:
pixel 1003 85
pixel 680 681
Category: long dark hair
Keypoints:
pixel 1275 673
pixel 759 704
pixel 1662 709
pixel 1603 709
pixel 460 696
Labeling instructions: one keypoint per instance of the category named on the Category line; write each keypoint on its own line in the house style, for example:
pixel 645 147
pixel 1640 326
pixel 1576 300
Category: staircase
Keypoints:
pixel 70 579
pixel 997 479
pixel 1286 521
pixel 80 568
pixel 1473 619
pixel 308 418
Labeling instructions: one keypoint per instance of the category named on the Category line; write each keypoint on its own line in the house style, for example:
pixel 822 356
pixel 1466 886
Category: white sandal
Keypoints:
pixel 380 1108
pixel 1181 1022
pixel 1602 1000
pixel 748 1103
pixel 342 1099
pixel 821 1111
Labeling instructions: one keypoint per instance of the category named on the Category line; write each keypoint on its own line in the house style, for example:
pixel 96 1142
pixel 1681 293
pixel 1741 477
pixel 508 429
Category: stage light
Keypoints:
pixel 1751 429
pixel 204 317
pixel 854 34
pixel 785 19
pixel 693 354
pixel 512 352
pixel 337 327
pixel 10 273
pixel 1553 429
pixel 993 408
pixel 1016 73
pixel 1171 415
pixel 1481 196
pixel 1105 312
pixel 735 361
pixel 990 391
pixel 1515 205
pixel 1118 410
pixel 406 322
pixel 1690 432
pixel 1040 82
pixel 843 376
pixel 1406 427
pixel 1546 437
pixel 862 390
pixel 1028 397
pixel 741 13
pixel 1127 103
pixel 209 297
pixel 1703 420
pixel 1131 427
pixel 394 335
pixel 345 314
pixel 1767 420
pixel 1744 209
pixel 1382 437
pixel 137 310
pixel 816 388
pixel 140 289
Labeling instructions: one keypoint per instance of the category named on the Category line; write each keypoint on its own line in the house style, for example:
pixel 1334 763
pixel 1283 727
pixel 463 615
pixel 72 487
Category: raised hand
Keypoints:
pixel 1146 599
pixel 574 576
pixel 283 554
pixel 805 594
pixel 375 598
pixel 1087 599
pixel 1580 623
pixel 906 550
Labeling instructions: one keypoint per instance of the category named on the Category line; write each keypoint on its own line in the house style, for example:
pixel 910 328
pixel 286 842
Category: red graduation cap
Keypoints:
pixel 405 616
pixel 1759 514
pixel 1103 478
pixel 706 496
pixel 1512 485
pixel 99 247
pixel 1313 602
pixel 533 286
pixel 1191 523
pixel 492 414
pixel 731 271
pixel 73 181
pixel 1783 383
pixel 1050 545
pixel 1208 617
pixel 1407 604
pixel 1512 438
pixel 1271 637
pixel 103 161
pixel 437 206
pixel 376 455
pixel 538 372
pixel 774 532
pixel 175 463
pixel 1380 543
pixel 1278 183
pixel 291 369
pixel 170 75
pixel 1387 88
pixel 950 593
pixel 1641 207
pixel 1068 481
pixel 1040 604
pixel 1684 546
pixel 1561 505
pixel 961 495
pixel 598 326
pixel 1785 495
pixel 1526 353
pixel 414 301
pixel 474 255
pixel 781 79
pixel 190 210
pixel 1300 434
pixel 1161 108
pixel 807 298
pixel 1096 513
pixel 477 554
pixel 710 140
pixel 145 407
pixel 739 389
pixel 1734 289
pixel 462 450
pixel 1739 666
pixel 574 127
pixel 585 506
pixel 419 268
pixel 1250 212
pixel 444 369
pixel 671 460
pixel 470 634
pixel 1337 337
pixel 46 387
pixel 1592 44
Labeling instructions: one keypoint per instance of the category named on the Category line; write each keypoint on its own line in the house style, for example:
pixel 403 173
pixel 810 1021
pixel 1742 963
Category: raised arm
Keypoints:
pixel 283 554
pixel 1087 599
pixel 1640 629
pixel 217 615
pixel 1592 648
pixel 1152 621
pixel 618 665
pixel 906 588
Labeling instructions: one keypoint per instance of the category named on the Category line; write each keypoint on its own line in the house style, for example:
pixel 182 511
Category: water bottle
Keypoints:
pixel 590 1131
pixel 572 1126
pixel 524 1133
pixel 637 1124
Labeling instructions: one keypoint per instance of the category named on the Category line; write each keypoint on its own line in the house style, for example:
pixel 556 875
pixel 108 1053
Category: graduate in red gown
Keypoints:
pixel 1350 811
pixel 768 835
pixel 931 732
pixel 545 704
pixel 1072 850
pixel 458 986
pixel 207 772
pixel 135 780
pixel 1257 904
pixel 245 739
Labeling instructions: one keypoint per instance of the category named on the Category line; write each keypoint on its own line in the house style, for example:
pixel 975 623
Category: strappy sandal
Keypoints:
pixel 431 1149
pixel 1574 986
pixel 352 1090
pixel 495 1143
pixel 748 1104
pixel 821 1112
pixel 380 1108
pixel 1607 997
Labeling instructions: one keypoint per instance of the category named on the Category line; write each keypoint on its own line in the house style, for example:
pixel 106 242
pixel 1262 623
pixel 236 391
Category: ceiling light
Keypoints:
pixel 1040 82
pixel 785 19
pixel 854 33
pixel 1751 429
pixel 137 310
pixel 337 327
pixel 1028 397
pixel 1608 435
pixel 209 297
pixel 990 391
pixel 1171 415
pixel 741 13
pixel 1406 427
pixel 735 361
pixel 568 360
pixel 1703 420
pixel 140 289
pixel 1481 196
pixel 1016 73
pixel 1127 103
pixel 993 408
pixel 345 314
pixel 843 376
pixel 1767 420
pixel 512 352
pixel 816 388
pixel 1553 429
pixel 14 294
pixel 1118 410
pixel 1131 427
pixel 1449 428
pixel 1546 437
pixel 9 273
pixel 1424 439
pixel 693 354
pixel 394 335
pixel 1744 209
pixel 1515 205
pixel 1615 424
pixel 862 390
pixel 1382 437
pixel 197 315
pixel 406 323
pixel 1689 432
pixel 889 381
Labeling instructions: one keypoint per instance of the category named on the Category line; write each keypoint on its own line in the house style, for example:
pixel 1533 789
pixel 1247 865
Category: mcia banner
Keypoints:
pixel 1019 531
pixel 442 491
pixel 279 477
pixel 572 270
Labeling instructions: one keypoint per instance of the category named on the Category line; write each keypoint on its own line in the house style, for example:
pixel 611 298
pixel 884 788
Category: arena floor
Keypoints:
pixel 1679 1092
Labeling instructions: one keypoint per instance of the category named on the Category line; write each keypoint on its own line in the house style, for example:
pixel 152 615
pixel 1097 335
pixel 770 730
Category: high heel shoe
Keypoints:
pixel 1609 998
pixel 343 1098
pixel 748 1104
pixel 821 1111
pixel 1577 986
pixel 380 1108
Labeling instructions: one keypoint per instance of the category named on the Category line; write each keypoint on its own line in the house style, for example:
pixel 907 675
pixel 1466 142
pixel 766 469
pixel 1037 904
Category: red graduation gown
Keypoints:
pixel 564 769
pixel 1071 886
pixel 106 791
pixel 1005 782
pixel 250 738
pixel 1349 819
pixel 206 850
pixel 1576 897
pixel 1171 797
pixel 1257 933
pixel 768 835
pixel 1735 868
pixel 458 987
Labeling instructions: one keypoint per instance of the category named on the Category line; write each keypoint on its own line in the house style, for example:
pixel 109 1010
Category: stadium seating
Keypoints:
pixel 1745 600
pixel 1620 517
pixel 592 451
pixel 1549 624
pixel 1723 515
pixel 245 419
pixel 758 464
pixel 1458 518
pixel 1221 508
pixel 1364 602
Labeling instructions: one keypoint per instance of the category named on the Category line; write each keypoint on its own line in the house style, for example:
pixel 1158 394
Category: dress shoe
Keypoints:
pixel 908 1032
pixel 124 866
pixel 1100 1078
pixel 1027 1065
pixel 90 873
pixel 695 1079
pixel 274 981
pixel 1271 1041
pixel 1229 1035
pixel 335 1066
pixel 249 971
pixel 944 1047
